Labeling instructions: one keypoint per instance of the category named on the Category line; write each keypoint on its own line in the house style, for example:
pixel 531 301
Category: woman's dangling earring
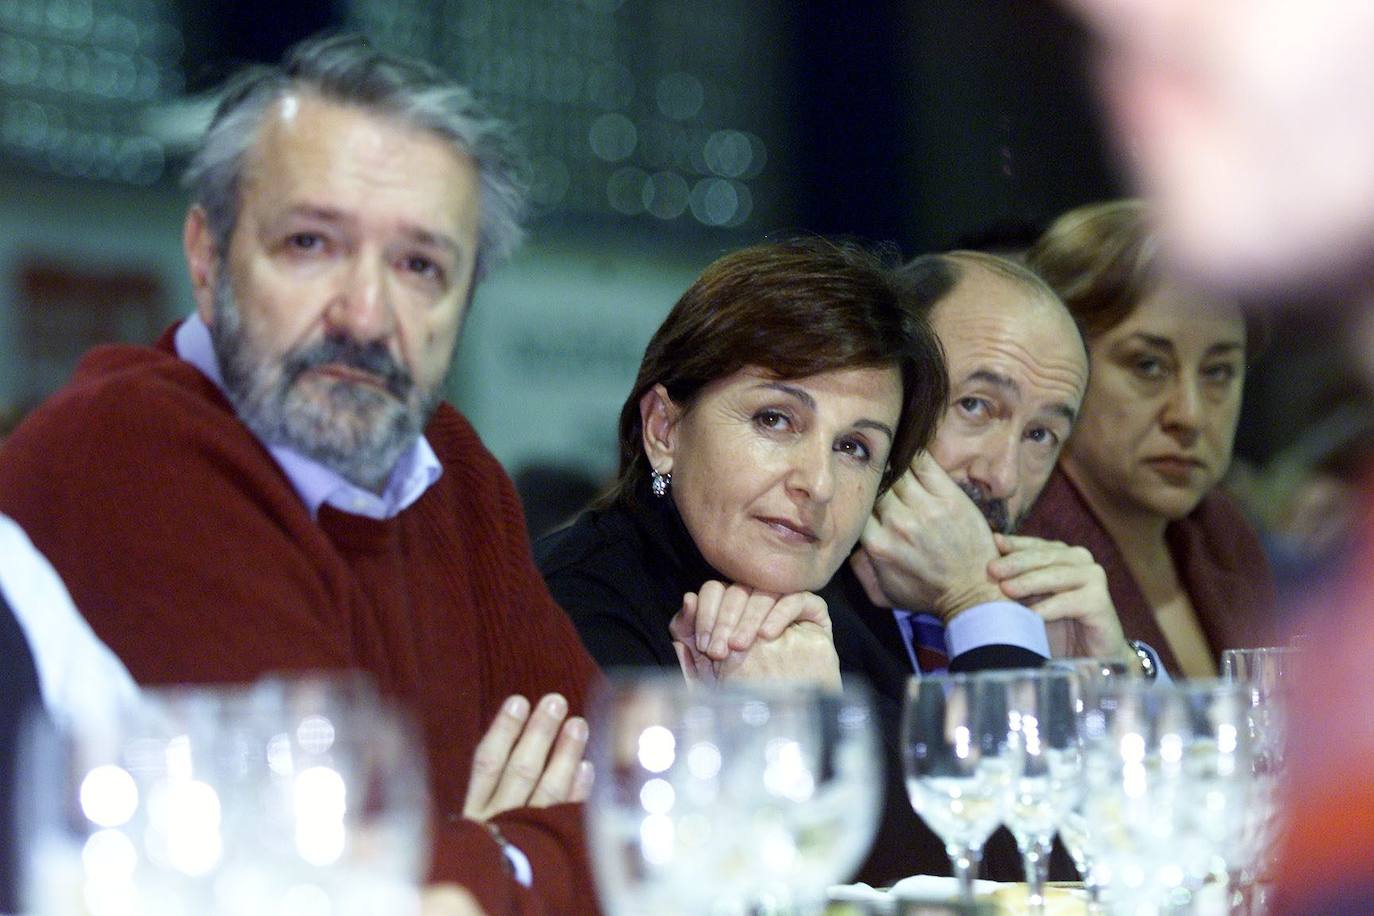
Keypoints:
pixel 659 483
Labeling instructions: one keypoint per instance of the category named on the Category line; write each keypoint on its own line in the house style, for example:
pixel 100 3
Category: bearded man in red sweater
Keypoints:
pixel 275 485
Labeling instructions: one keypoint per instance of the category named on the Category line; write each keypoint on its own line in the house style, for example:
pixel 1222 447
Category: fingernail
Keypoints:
pixel 703 642
pixel 517 707
pixel 577 728
pixel 555 705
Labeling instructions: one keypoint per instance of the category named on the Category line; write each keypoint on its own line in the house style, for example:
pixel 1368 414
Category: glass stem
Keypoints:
pixel 965 860
pixel 1036 856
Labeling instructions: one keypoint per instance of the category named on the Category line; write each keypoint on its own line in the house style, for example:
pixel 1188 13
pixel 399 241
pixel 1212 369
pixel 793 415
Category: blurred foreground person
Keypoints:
pixel 785 390
pixel 1247 125
pixel 1137 482
pixel 276 485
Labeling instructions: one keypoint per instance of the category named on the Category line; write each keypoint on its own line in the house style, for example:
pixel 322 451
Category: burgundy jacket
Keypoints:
pixel 1217 554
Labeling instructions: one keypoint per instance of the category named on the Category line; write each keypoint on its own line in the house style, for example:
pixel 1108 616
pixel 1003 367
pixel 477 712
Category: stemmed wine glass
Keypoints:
pixel 728 800
pixel 291 795
pixel 955 743
pixel 1075 830
pixel 1045 766
pixel 1167 773
pixel 1266 674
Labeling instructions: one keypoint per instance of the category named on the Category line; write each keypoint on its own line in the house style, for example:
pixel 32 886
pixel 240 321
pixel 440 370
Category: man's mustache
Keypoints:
pixel 993 509
pixel 340 350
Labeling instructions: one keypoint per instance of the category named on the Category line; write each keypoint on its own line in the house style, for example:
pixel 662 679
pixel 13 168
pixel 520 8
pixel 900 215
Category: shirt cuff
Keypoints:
pixel 996 623
pixel 519 865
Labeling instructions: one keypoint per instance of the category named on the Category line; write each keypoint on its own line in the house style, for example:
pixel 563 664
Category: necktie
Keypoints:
pixel 925 635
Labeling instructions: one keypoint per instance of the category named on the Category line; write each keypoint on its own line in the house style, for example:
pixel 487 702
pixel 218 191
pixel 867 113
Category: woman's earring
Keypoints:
pixel 659 483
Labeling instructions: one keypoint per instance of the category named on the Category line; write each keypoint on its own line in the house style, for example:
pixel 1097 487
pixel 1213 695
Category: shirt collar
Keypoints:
pixel 415 472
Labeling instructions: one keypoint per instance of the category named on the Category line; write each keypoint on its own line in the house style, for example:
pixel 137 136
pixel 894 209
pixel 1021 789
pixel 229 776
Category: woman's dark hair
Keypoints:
pixel 1103 259
pixel 792 310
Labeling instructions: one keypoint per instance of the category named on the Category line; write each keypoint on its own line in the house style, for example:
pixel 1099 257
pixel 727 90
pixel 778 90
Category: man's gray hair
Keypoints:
pixel 346 69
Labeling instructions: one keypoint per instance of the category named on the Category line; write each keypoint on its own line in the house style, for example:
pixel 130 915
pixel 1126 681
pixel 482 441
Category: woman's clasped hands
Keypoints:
pixel 733 632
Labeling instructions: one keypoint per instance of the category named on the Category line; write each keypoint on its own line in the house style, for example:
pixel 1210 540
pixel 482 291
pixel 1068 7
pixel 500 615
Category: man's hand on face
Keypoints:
pixel 927 546
pixel 1068 589
pixel 529 759
pixel 732 633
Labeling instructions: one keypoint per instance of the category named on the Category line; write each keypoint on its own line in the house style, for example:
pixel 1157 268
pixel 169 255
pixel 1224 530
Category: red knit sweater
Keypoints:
pixel 192 556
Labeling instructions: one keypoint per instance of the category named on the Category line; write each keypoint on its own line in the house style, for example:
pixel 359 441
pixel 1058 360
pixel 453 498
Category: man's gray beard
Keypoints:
pixel 994 510
pixel 355 430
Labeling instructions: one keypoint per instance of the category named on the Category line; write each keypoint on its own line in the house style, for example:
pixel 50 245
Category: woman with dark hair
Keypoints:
pixel 785 390
pixel 1137 481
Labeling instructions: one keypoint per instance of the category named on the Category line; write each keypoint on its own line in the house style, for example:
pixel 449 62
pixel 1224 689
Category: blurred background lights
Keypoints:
pixel 715 201
pixel 729 153
pixel 680 95
pixel 304 900
pixel 657 749
pixel 320 799
pixel 191 822
pixel 624 190
pixel 613 137
pixel 665 195
pixel 93 66
pixel 320 795
pixel 656 839
pixel 657 796
pixel 315 734
pixel 109 796
pixel 786 774
pixel 109 857
pixel 596 88
pixel 279 754
pixel 549 180
pixel 177 758
pixel 113 898
pixel 703 760
pixel 321 843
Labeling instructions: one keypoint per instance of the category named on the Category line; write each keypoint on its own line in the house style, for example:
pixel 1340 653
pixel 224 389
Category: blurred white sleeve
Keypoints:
pixel 77 673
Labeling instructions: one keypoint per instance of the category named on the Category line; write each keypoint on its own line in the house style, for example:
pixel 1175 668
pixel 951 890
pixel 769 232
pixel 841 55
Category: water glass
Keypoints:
pixel 1167 772
pixel 955 744
pixel 1045 762
pixel 288 796
pixel 728 800
pixel 1075 830
pixel 1267 676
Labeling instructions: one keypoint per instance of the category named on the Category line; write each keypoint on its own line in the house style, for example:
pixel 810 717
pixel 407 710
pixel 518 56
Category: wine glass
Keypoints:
pixel 1267 676
pixel 1133 739
pixel 1219 768
pixel 290 795
pixel 1045 765
pixel 1075 830
pixel 728 800
pixel 1167 774
pixel 954 746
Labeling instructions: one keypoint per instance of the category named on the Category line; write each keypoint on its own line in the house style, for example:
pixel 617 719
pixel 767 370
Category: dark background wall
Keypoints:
pixel 924 123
